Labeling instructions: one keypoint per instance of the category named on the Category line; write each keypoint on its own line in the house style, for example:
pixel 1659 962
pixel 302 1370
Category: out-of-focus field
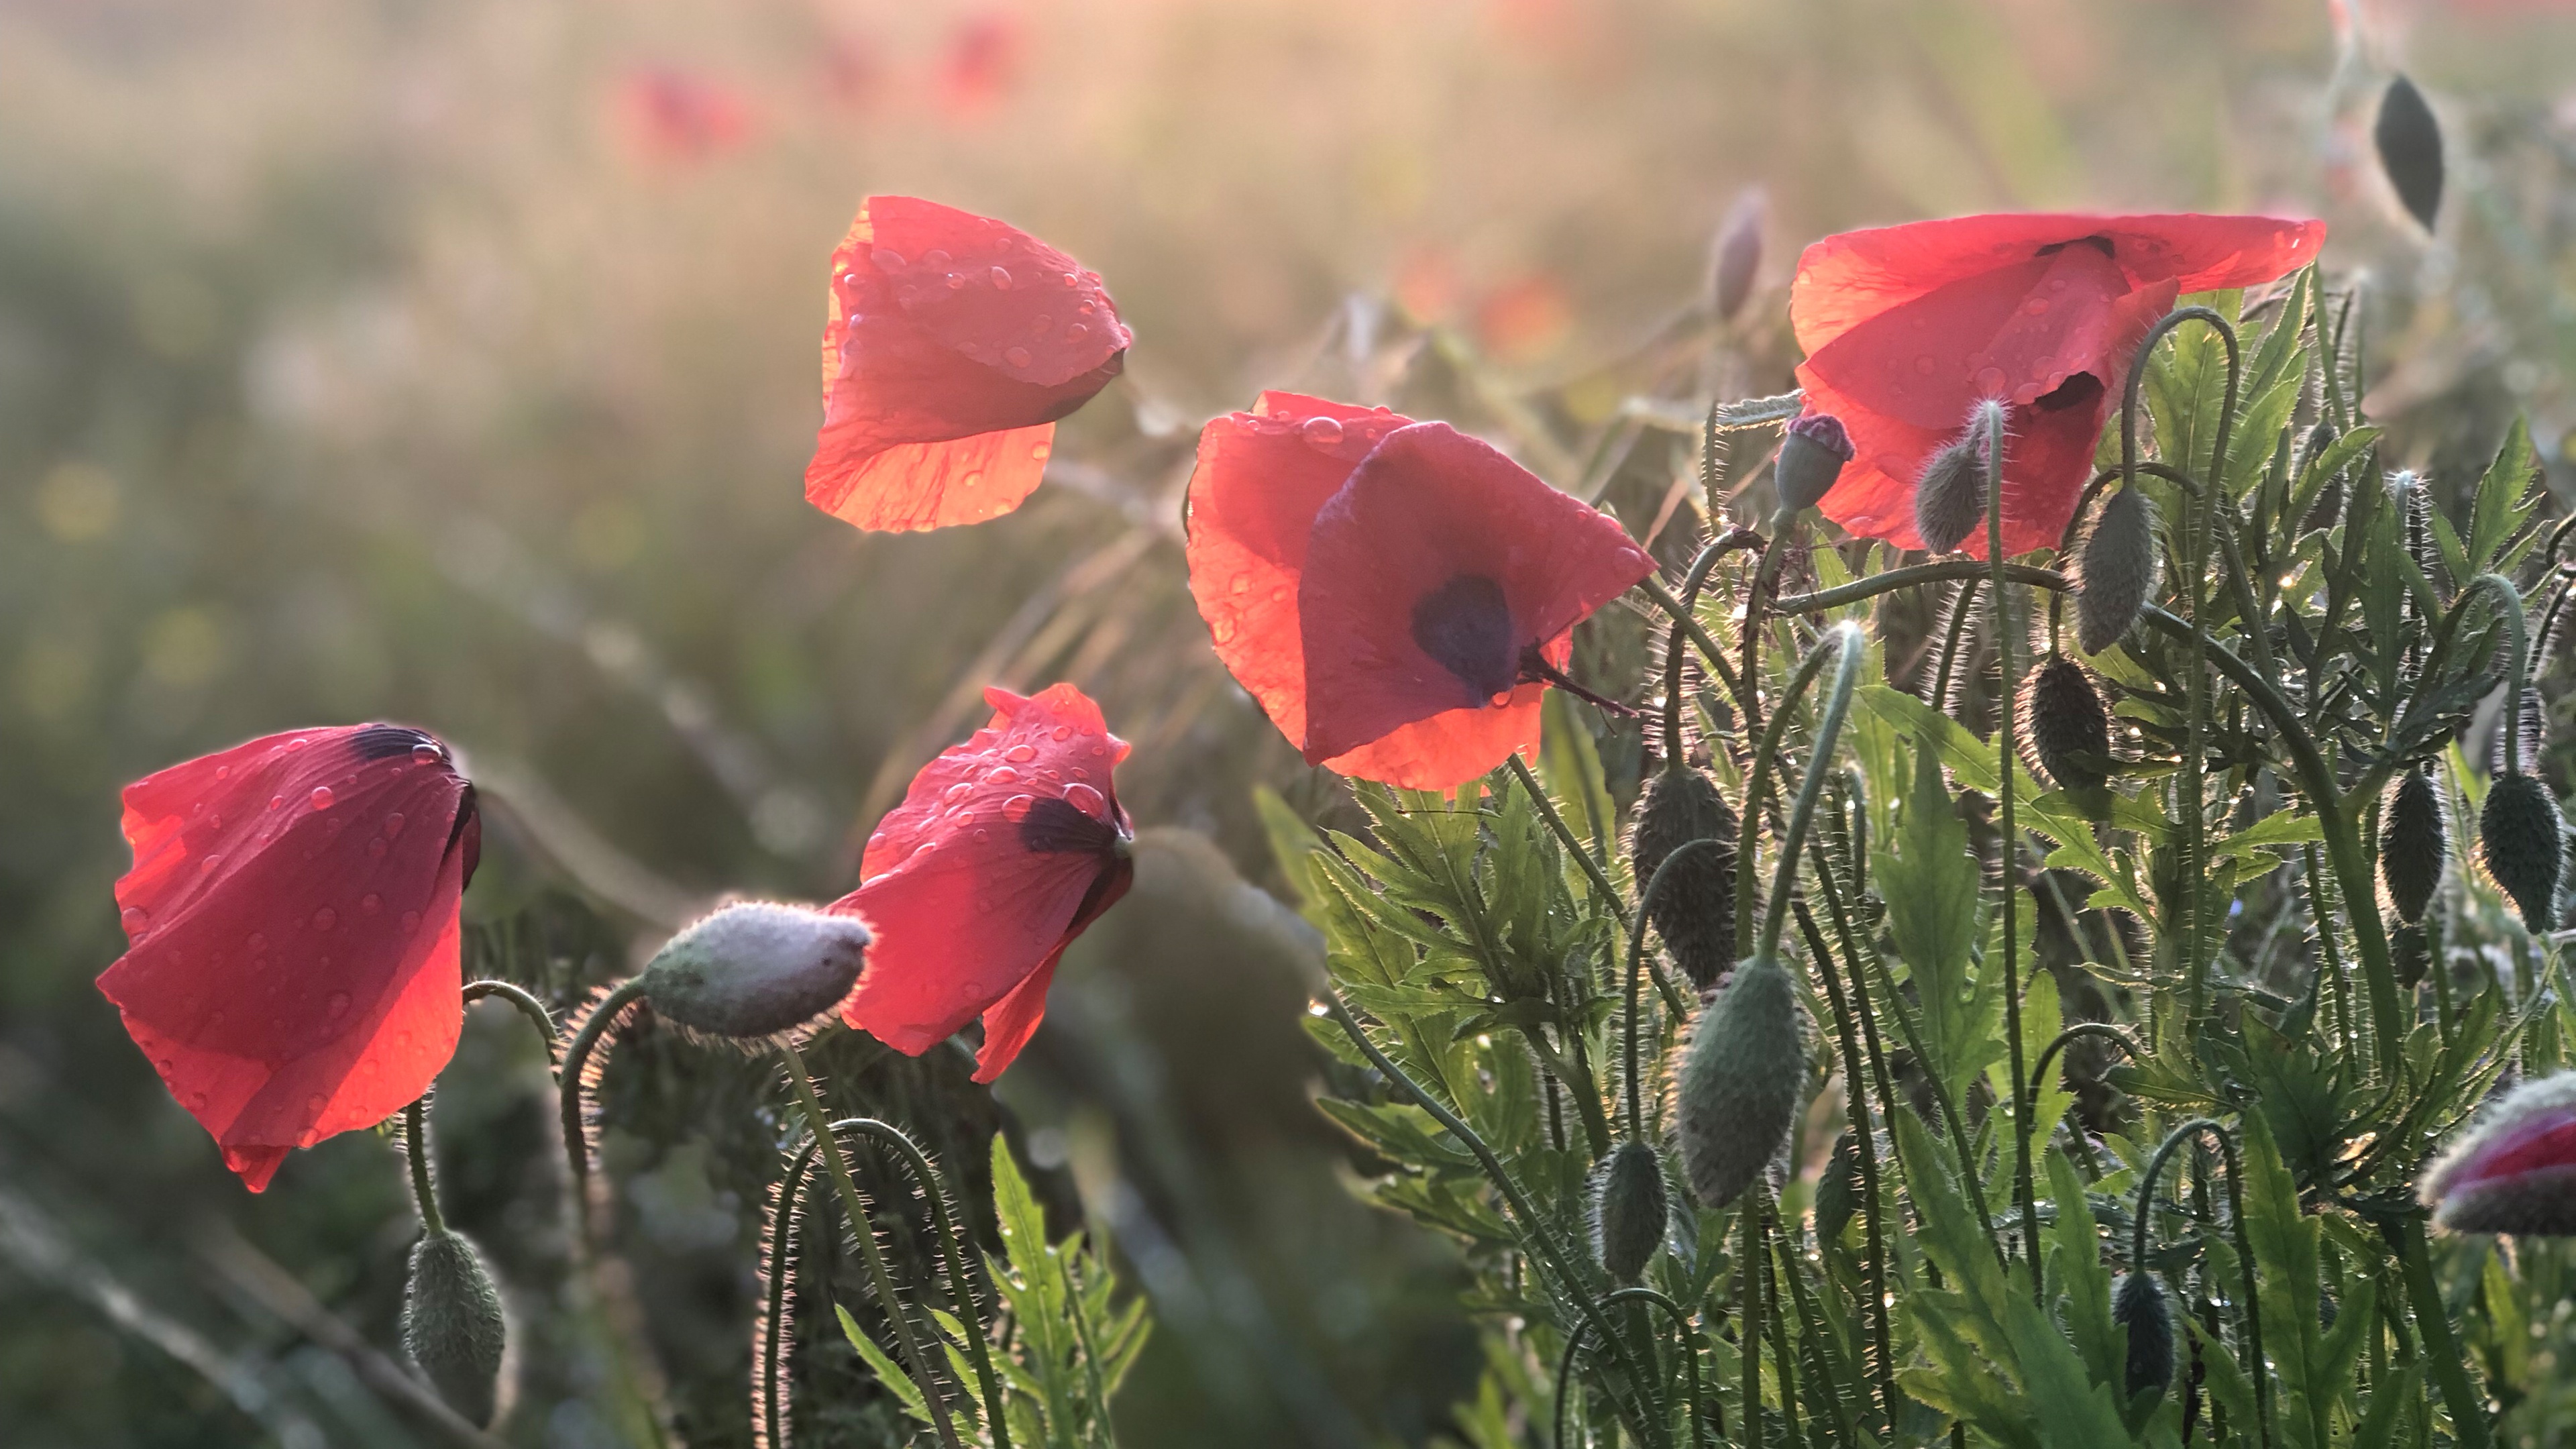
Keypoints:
pixel 455 363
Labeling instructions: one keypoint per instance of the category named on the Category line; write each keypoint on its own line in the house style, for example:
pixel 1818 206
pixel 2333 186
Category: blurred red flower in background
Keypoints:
pixel 981 63
pixel 292 925
pixel 1906 327
pixel 953 345
pixel 672 115
pixel 1395 594
pixel 1003 850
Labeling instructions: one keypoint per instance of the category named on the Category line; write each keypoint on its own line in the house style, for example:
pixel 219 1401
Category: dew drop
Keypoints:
pixel 1076 332
pixel 1016 809
pixel 957 792
pixel 1222 629
pixel 1016 356
pixel 1002 279
pixel 982 834
pixel 1085 309
pixel 1279 593
pixel 325 918
pixel 426 755
pixel 2036 306
pixel 393 825
pixel 1040 451
pixel 339 1006
pixel 276 802
pixel 296 744
pixel 935 258
pixel 973 477
pixel 371 903
pixel 1923 363
pixel 1990 381
pixel 1021 754
pixel 321 797
pixel 1322 432
pixel 223 772
pixel 215 821
pixel 957 281
pixel 1071 280
pixel 1041 322
pixel 207 865
pixel 1063 733
pixel 1085 799
pixel 1500 699
pixel 1099 749
pixel 1002 775
pixel 888 259
pixel 135 920
pixel 197 1101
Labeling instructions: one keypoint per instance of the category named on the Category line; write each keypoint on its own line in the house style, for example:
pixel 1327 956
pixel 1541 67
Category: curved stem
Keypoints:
pixel 2006 704
pixel 1636 969
pixel 1756 605
pixel 1864 1137
pixel 572 1090
pixel 2255 1367
pixel 1848 644
pixel 1692 582
pixel 2077 1032
pixel 818 1123
pixel 1709 652
pixel 1757 788
pixel 529 1007
pixel 1960 604
pixel 416 1148
pixel 2507 602
pixel 1681 1330
pixel 1944 571
pixel 772 1381
pixel 1533 1225
pixel 1565 837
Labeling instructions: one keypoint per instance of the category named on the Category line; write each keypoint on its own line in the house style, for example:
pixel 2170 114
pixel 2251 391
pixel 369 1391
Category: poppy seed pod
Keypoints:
pixel 2518 836
pixel 2138 1305
pixel 2414 845
pixel 1950 497
pixel 1811 458
pixel 756 970
pixel 1838 1189
pixel 2116 573
pixel 1629 1208
pixel 2410 149
pixel 1737 1090
pixel 2515 1170
pixel 2070 731
pixel 1695 910
pixel 452 1325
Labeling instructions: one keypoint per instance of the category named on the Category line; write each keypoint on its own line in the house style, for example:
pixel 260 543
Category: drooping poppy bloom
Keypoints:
pixel 291 920
pixel 1003 850
pixel 1906 327
pixel 2515 1170
pixel 953 345
pixel 672 115
pixel 1395 594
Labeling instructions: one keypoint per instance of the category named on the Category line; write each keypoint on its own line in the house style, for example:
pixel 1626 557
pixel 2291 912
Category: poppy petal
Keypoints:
pixel 1427 574
pixel 1429 754
pixel 934 337
pixel 1261 478
pixel 1057 739
pixel 1846 279
pixel 292 912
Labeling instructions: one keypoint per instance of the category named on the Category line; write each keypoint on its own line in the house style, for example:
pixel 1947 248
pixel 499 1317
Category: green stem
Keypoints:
pixel 773 1381
pixel 529 1007
pixel 1848 643
pixel 2255 1367
pixel 1941 572
pixel 416 1148
pixel 1565 836
pixel 1748 1294
pixel 1709 652
pixel 1756 600
pixel 820 1125
pixel 1784 1366
pixel 1681 1330
pixel 1864 1139
pixel 2075 1033
pixel 1960 604
pixel 2009 843
pixel 1757 786
pixel 1636 970
pixel 573 1092
pixel 2442 1352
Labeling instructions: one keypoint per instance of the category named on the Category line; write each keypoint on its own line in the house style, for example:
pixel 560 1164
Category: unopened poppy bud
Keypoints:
pixel 2409 955
pixel 2414 844
pixel 452 1325
pixel 2514 1170
pixel 1695 910
pixel 2410 149
pixel 1740 1078
pixel 2070 731
pixel 2116 573
pixel 1950 498
pixel 1811 458
pixel 1838 1189
pixel 1737 253
pixel 757 970
pixel 2518 836
pixel 2138 1305
pixel 1629 1208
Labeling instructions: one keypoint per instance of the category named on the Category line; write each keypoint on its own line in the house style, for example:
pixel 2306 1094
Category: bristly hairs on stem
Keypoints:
pixel 773 1327
pixel 2252 1308
pixel 608 1013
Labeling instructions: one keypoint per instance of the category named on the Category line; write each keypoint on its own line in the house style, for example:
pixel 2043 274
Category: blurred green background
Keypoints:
pixel 454 363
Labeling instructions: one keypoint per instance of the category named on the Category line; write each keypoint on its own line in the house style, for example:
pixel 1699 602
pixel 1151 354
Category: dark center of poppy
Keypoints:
pixel 1466 625
pixel 385 742
pixel 2101 244
pixel 2080 389
pixel 1059 827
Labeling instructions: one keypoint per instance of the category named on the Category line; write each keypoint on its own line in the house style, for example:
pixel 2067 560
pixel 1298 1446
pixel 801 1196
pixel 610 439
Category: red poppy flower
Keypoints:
pixel 1395 594
pixel 2514 1170
pixel 672 115
pixel 1906 327
pixel 291 965
pixel 1003 850
pixel 954 344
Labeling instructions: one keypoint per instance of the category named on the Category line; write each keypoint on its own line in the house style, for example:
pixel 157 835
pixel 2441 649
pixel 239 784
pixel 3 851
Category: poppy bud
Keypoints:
pixel 1737 1090
pixel 452 1324
pixel 756 970
pixel 2410 952
pixel 2116 573
pixel 1838 1189
pixel 2518 834
pixel 1628 1210
pixel 1695 910
pixel 1950 498
pixel 2138 1305
pixel 2515 1170
pixel 2413 845
pixel 1737 254
pixel 2070 731
pixel 1811 458
pixel 2410 149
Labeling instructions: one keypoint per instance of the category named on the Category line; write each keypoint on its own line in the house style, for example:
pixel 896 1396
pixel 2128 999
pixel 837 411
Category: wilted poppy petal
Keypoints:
pixel 946 326
pixel 1429 573
pixel 1261 478
pixel 292 913
pixel 1003 849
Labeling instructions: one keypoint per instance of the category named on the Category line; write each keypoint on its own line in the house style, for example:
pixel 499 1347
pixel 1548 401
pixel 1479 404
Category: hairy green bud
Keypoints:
pixel 2138 1305
pixel 1950 497
pixel 452 1325
pixel 1838 1189
pixel 1812 456
pixel 2410 149
pixel 1695 910
pixel 1629 1210
pixel 2414 845
pixel 1741 1075
pixel 2116 572
pixel 2519 839
pixel 2070 731
pixel 757 970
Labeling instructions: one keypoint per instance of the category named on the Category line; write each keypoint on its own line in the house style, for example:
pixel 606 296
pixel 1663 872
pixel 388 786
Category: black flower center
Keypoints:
pixel 1466 625
pixel 2101 244
pixel 2079 390
pixel 384 742
pixel 1059 827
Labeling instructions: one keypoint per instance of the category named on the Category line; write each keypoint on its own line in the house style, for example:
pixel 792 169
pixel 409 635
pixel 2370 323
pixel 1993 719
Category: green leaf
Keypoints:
pixel 2284 1243
pixel 888 1372
pixel 2500 508
pixel 1930 880
pixel 1969 759
pixel 2078 1268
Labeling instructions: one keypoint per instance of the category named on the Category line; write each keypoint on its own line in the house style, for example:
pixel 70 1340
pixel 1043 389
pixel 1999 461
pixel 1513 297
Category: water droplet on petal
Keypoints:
pixel 1086 799
pixel 371 903
pixel 325 918
pixel 207 865
pixel 276 802
pixel 135 920
pixel 1500 699
pixel 1063 732
pixel 1990 381
pixel 935 258
pixel 1071 280
pixel 393 825
pixel 1041 322
pixel 1923 363
pixel 196 1101
pixel 426 755
pixel 339 1006
pixel 321 797
pixel 957 281
pixel 295 744
pixel 887 259
pixel 1322 432
pixel 223 772
pixel 1002 775
pixel 1076 332
pixel 982 834
pixel 410 921
pixel 957 792
pixel 1021 754
pixel 1016 809
pixel 2036 306
pixel 1002 279
pixel 973 477
pixel 1016 356
pixel 1039 451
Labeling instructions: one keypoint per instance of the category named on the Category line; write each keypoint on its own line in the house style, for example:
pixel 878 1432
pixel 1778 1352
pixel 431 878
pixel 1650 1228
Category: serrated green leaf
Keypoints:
pixel 2500 507
pixel 888 1372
